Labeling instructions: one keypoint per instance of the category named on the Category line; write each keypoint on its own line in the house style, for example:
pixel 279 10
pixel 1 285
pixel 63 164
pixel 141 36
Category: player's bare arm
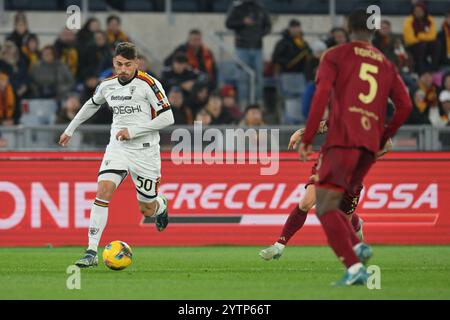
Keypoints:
pixel 296 137
pixel 387 147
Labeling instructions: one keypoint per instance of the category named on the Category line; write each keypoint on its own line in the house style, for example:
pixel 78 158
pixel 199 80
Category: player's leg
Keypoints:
pixel 293 224
pixel 155 207
pixel 335 176
pixel 348 206
pixel 113 171
pixel 145 169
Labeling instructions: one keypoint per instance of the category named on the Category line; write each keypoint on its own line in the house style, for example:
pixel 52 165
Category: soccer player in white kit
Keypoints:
pixel 140 109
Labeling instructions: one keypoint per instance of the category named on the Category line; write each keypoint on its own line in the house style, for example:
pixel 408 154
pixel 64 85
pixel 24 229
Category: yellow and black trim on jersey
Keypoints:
pixel 159 95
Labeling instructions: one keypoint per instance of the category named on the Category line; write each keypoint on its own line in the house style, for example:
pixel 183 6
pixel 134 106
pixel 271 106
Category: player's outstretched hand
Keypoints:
pixel 305 151
pixel 387 147
pixel 123 135
pixel 64 140
pixel 296 137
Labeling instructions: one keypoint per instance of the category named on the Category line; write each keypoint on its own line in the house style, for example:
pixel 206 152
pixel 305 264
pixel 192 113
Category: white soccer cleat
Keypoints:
pixel 273 252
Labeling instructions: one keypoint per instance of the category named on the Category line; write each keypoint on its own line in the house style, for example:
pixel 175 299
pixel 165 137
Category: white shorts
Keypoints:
pixel 144 165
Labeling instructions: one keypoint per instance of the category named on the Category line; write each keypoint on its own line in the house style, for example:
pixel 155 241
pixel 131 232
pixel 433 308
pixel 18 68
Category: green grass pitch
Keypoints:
pixel 227 272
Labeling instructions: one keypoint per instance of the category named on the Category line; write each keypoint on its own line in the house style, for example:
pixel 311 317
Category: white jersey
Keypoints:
pixel 136 105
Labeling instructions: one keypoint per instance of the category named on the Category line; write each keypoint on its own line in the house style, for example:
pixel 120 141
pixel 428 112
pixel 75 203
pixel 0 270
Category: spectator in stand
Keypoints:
pixel 337 36
pixel 50 78
pixel 7 101
pixel 218 113
pixel 253 116
pixel 419 33
pixel 199 56
pixel 86 35
pixel 318 49
pixel 291 51
pixel 18 77
pixel 30 49
pixel 392 47
pixel 90 84
pixel 204 117
pixel 97 56
pixel 70 106
pixel 181 113
pixel 66 50
pixel 20 29
pixel 143 65
pixel 440 117
pixel 229 102
pixel 251 22
pixel 199 97
pixel 180 74
pixel 444 39
pixel 425 97
pixel 114 31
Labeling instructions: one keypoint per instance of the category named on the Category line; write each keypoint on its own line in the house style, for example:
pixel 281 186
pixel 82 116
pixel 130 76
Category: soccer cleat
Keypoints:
pixel 273 252
pixel 363 251
pixel 360 233
pixel 358 278
pixel 89 259
pixel 162 220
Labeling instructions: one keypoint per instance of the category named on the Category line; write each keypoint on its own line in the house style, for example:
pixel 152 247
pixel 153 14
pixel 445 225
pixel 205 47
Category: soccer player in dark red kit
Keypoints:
pixel 357 79
pixel 298 215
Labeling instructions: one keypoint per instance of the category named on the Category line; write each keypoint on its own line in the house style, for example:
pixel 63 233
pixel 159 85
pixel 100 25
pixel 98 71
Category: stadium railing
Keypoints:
pixel 96 137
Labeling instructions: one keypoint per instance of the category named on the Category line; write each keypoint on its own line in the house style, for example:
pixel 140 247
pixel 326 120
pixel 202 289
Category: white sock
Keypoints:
pixel 161 206
pixel 97 222
pixel 355 268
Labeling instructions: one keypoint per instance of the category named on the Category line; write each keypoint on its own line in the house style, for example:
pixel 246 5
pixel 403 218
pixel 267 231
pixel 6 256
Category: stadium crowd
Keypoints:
pixel 69 70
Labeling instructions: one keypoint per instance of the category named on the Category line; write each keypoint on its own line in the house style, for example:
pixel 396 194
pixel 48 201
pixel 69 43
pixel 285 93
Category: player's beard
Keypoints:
pixel 124 77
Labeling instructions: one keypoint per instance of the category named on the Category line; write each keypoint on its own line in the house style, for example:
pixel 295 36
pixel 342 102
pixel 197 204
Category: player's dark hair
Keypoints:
pixel 113 17
pixel 357 21
pixel 126 50
pixel 196 32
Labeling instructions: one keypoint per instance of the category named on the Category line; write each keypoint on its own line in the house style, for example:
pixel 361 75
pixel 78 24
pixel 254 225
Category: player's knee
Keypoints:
pixel 306 204
pixel 105 191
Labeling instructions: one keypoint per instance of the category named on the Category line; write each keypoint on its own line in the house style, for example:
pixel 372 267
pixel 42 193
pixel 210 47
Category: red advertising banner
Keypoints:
pixel 45 198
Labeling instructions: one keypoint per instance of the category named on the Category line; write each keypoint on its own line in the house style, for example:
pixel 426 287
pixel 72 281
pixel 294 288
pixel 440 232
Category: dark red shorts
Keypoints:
pixel 344 169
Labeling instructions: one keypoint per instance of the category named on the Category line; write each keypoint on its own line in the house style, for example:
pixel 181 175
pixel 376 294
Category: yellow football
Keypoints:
pixel 117 255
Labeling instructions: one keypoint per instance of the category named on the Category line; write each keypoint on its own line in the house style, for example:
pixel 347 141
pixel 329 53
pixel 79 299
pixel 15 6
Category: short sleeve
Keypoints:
pixel 98 98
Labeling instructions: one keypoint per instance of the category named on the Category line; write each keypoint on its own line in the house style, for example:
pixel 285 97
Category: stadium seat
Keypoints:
pixel 222 5
pixel 184 6
pixel 97 5
pixel 138 5
pixel 39 112
pixel 49 5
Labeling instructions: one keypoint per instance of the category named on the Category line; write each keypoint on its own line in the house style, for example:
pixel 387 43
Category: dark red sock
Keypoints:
pixel 294 222
pixel 337 229
pixel 355 222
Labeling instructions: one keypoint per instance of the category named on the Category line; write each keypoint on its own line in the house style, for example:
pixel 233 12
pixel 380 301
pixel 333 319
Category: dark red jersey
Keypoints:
pixel 356 79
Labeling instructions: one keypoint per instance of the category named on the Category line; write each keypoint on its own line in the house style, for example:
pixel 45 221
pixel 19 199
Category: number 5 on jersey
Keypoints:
pixel 365 75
